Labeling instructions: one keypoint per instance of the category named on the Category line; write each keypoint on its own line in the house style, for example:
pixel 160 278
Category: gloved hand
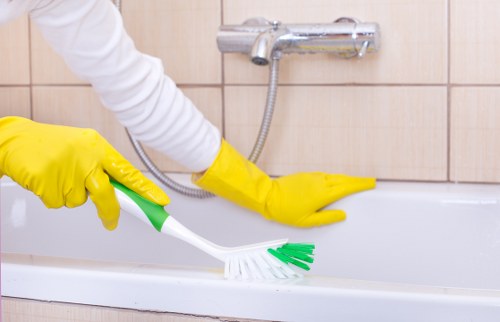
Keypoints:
pixel 62 164
pixel 294 200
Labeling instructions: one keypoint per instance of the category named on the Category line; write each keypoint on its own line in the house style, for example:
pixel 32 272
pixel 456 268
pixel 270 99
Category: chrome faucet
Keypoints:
pixel 266 44
pixel 264 40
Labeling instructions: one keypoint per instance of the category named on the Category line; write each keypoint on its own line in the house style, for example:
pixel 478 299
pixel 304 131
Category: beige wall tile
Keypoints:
pixel 14 53
pixel 386 132
pixel 15 101
pixel 79 106
pixel 413 47
pixel 475 42
pixel 181 33
pixel 475 133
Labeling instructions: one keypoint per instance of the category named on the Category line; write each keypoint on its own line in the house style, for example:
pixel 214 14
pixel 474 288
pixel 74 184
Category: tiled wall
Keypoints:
pixel 423 108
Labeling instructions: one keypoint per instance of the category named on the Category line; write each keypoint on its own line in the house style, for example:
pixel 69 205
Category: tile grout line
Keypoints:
pixel 223 79
pixel 30 62
pixel 216 85
pixel 448 92
pixel 193 85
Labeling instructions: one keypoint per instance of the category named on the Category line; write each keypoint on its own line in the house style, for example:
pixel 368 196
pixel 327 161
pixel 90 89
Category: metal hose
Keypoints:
pixel 163 178
pixel 272 91
pixel 254 155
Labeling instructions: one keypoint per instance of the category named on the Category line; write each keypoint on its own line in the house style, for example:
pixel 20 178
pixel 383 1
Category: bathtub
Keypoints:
pixel 407 252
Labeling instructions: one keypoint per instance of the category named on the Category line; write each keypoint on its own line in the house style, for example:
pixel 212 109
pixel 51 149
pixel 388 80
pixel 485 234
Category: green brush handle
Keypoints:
pixel 155 216
pixel 149 212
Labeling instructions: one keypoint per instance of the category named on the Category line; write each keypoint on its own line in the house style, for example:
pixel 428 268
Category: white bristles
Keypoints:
pixel 264 267
pixel 257 265
pixel 282 268
pixel 256 272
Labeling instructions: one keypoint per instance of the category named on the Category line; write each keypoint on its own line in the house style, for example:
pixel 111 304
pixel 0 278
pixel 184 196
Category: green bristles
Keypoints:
pixel 296 254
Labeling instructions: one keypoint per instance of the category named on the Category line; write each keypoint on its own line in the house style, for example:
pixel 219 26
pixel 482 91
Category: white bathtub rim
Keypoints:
pixel 151 286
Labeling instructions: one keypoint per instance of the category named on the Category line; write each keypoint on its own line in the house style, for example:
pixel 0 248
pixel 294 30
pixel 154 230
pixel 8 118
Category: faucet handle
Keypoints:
pixel 358 51
pixel 262 22
pixel 275 24
pixel 257 21
pixel 364 48
pixel 347 20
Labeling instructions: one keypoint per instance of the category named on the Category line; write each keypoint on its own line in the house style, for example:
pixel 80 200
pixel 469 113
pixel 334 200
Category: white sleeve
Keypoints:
pixel 90 36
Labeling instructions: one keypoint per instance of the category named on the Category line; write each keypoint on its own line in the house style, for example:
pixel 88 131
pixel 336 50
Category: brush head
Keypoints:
pixel 270 263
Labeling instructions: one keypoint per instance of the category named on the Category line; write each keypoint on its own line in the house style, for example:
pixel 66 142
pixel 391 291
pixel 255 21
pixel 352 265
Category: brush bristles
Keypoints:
pixel 269 264
pixel 295 254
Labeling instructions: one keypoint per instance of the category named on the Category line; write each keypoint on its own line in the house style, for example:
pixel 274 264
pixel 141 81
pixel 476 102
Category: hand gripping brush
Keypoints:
pixel 261 261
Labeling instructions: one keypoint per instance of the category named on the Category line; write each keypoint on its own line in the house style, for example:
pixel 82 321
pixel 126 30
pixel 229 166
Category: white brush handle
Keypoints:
pixel 174 228
pixel 165 224
pixel 130 207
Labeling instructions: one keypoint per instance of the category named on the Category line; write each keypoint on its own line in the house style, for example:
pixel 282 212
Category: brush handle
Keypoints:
pixel 150 213
pixel 155 216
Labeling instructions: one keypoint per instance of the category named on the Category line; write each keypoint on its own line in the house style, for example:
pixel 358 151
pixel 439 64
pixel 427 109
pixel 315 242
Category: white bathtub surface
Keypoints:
pixel 407 252
pixel 203 292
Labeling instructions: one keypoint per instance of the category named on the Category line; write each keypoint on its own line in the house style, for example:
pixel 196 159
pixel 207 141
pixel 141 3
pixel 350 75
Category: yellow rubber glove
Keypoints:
pixel 62 165
pixel 294 200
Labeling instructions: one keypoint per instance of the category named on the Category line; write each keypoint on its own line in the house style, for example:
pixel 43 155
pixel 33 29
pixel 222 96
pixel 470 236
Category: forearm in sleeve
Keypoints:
pixel 89 35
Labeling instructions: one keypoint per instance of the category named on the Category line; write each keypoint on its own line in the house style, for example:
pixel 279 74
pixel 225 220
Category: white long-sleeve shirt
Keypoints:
pixel 89 35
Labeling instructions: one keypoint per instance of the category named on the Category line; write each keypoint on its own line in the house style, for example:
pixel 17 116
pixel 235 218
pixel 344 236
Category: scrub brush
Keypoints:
pixel 261 261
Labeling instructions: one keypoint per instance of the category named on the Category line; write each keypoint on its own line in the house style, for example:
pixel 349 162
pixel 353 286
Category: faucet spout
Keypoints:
pixel 268 45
